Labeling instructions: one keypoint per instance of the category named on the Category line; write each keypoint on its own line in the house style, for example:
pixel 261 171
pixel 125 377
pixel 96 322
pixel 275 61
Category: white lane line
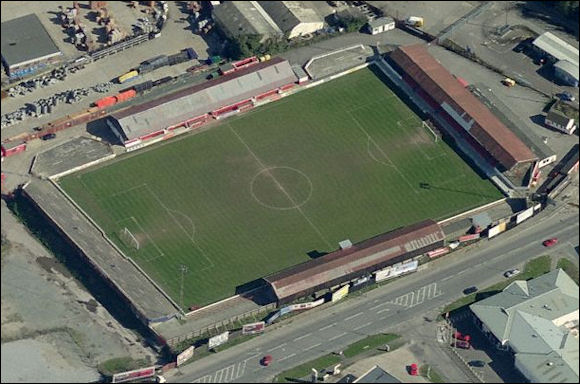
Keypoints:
pixel 302 337
pixel 275 348
pixel 383 304
pixel 312 346
pixel 287 357
pixel 383 310
pixel 353 316
pixel 229 376
pixel 447 278
pixel 238 374
pixel 362 326
pixel 328 326
pixel 337 336
pixel 221 373
pixel 383 318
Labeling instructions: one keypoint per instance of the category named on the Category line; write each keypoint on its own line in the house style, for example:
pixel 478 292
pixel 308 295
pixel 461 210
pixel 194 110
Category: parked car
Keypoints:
pixel 469 290
pixel 459 336
pixel 512 273
pixel 413 369
pixel 461 344
pixel 48 136
pixel 266 360
pixel 476 363
pixel 550 242
pixel 566 96
pixel 508 82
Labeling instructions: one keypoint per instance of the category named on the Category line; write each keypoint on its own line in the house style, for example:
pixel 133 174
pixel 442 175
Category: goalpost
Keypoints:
pixel 433 132
pixel 129 239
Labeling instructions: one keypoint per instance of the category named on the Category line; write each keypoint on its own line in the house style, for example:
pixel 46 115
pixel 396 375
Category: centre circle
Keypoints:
pixel 281 188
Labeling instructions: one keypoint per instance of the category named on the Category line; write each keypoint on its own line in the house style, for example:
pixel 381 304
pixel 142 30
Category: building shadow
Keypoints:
pixel 316 254
pixel 256 291
pixel 99 128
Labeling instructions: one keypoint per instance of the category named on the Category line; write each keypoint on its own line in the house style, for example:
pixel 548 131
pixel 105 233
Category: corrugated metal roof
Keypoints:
pixel 378 22
pixel 568 67
pixel 289 14
pixel 359 257
pixel 245 18
pixel 25 40
pixel 486 128
pixel 203 98
pixel 556 47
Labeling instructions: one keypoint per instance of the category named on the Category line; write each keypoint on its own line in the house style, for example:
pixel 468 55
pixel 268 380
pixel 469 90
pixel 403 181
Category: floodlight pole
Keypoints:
pixel 184 270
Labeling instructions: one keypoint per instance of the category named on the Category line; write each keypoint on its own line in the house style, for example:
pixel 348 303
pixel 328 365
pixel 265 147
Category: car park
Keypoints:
pixel 512 273
pixel 469 290
pixel 550 242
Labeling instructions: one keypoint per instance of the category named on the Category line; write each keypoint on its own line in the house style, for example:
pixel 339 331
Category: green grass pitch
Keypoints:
pixel 258 192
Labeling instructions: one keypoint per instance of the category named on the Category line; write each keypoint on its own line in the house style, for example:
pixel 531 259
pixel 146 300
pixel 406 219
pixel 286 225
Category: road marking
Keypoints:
pixel 328 326
pixel 353 316
pixel 287 357
pixel 302 337
pixel 312 346
pixel 383 310
pixel 380 305
pixel 221 373
pixel 337 336
pixel 383 318
pixel 229 371
pixel 362 326
pixel 275 348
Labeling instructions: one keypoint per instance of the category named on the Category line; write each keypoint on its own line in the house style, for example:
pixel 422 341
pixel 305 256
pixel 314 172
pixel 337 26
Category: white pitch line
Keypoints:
pixel 328 326
pixel 337 336
pixel 302 337
pixel 312 346
pixel 353 316
pixel 362 326
pixel 287 357
pixel 383 310
pixel 275 348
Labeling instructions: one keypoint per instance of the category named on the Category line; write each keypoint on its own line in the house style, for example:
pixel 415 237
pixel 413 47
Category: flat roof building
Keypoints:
pixel 557 48
pixel 26 45
pixel 538 321
pixel 294 18
pixel 381 24
pixel 238 18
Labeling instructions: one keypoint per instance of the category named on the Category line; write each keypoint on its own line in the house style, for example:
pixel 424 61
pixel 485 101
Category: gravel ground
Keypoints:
pixel 52 329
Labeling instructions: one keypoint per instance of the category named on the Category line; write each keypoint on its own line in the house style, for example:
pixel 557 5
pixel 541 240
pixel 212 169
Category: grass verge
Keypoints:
pixel 569 267
pixel 304 369
pixel 370 342
pixel 121 364
pixel 431 374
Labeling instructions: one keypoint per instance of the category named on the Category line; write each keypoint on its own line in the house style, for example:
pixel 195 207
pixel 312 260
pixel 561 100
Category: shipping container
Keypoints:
pixel 214 59
pixel 106 101
pixel 191 54
pixel 163 80
pixel 124 96
pixel 128 76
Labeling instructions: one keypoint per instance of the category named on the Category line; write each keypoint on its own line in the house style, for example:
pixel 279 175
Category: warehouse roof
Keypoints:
pixel 25 41
pixel 360 256
pixel 245 18
pixel 203 98
pixel 532 316
pixel 486 128
pixel 378 22
pixel 568 67
pixel 556 47
pixel 289 14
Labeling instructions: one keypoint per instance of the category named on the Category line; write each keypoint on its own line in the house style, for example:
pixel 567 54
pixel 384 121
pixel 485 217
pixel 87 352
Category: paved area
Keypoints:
pixel 53 330
pixel 480 36
pixel 144 295
pixel 331 63
pixel 73 154
pixel 436 17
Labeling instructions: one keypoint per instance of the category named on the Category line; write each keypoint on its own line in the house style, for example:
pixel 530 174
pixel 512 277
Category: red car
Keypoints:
pixel 266 360
pixel 461 344
pixel 413 369
pixel 550 242
pixel 459 336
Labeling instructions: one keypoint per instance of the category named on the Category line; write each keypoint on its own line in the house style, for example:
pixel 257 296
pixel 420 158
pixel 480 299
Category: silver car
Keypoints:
pixel 512 273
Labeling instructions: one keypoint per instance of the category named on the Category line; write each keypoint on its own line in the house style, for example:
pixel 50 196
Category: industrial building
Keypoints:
pixel 214 98
pixel 537 320
pixel 557 120
pixel 354 261
pixel 294 18
pixel 564 55
pixel 26 46
pixel 487 134
pixel 239 18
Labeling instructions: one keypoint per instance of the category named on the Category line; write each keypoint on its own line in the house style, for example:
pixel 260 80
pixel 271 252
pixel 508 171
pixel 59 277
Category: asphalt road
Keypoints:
pixel 331 329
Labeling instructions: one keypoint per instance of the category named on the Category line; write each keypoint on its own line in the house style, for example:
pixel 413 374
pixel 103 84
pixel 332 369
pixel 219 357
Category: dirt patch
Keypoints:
pixel 51 265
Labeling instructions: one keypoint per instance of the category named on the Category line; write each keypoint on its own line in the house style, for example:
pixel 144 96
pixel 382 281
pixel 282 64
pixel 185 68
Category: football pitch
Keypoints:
pixel 274 187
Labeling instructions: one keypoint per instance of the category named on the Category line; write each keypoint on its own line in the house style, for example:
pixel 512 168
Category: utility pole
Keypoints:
pixel 183 269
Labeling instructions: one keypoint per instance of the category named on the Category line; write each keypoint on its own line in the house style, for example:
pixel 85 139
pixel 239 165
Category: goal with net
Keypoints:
pixel 128 238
